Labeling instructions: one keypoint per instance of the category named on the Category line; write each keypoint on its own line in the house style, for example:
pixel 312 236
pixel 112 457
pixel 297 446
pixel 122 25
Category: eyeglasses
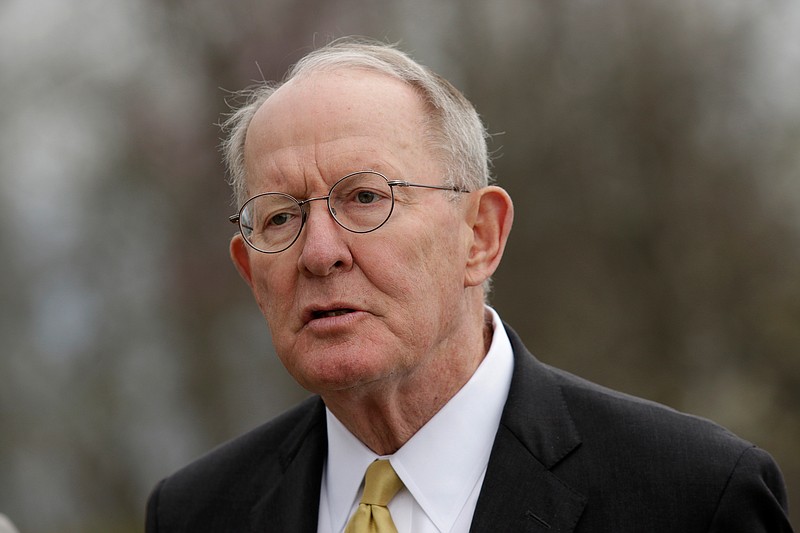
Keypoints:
pixel 360 202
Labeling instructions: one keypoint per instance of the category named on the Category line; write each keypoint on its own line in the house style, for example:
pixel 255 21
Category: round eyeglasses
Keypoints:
pixel 359 202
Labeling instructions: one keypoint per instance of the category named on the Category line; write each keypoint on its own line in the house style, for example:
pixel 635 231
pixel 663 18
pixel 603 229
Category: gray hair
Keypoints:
pixel 455 130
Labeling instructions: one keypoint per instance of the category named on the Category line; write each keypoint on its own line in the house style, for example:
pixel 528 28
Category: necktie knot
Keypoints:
pixel 381 483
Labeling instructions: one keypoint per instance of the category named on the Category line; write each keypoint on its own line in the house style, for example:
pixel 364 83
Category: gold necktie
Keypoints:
pixel 380 485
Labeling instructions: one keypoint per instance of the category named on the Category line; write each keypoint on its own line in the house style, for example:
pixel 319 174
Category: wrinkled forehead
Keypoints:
pixel 333 122
pixel 329 102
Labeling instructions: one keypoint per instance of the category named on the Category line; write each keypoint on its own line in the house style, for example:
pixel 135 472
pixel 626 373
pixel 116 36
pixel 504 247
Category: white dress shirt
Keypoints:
pixel 442 466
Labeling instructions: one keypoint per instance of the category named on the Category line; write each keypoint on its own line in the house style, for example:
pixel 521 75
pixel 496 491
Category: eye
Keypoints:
pixel 279 219
pixel 366 197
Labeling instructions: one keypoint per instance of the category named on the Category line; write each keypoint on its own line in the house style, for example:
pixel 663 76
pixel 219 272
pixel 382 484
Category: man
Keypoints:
pixel 368 234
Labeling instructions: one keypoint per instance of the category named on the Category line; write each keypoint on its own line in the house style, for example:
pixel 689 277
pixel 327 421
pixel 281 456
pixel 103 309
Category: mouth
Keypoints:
pixel 330 313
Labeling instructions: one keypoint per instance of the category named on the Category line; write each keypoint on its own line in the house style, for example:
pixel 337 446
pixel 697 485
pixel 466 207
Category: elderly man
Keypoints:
pixel 368 234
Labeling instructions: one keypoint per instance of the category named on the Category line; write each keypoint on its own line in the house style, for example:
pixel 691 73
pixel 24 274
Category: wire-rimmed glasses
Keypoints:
pixel 360 202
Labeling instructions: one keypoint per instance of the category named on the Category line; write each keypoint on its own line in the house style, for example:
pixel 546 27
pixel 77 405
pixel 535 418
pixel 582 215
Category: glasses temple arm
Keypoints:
pixel 400 183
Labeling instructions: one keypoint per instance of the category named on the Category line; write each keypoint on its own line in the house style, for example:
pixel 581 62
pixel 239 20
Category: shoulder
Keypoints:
pixel 635 425
pixel 635 459
pixel 272 443
pixel 605 416
pixel 238 472
pixel 680 464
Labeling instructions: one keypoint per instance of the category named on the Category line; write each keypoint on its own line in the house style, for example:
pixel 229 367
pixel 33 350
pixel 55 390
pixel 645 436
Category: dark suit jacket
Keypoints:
pixel 569 455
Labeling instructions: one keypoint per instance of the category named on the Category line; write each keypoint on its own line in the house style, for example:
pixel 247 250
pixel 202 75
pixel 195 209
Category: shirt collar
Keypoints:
pixel 443 461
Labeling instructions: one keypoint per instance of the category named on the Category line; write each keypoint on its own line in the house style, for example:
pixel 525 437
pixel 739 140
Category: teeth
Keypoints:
pixel 335 312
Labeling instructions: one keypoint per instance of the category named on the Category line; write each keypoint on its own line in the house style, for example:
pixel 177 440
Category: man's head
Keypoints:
pixel 454 128
pixel 397 307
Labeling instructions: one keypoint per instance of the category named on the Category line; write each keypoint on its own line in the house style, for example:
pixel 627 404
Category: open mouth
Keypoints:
pixel 330 313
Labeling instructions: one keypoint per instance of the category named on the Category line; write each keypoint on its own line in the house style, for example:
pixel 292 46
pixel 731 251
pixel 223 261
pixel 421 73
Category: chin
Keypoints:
pixel 339 374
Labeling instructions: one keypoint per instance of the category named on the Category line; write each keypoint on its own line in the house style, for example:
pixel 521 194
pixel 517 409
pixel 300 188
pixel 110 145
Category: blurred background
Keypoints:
pixel 652 149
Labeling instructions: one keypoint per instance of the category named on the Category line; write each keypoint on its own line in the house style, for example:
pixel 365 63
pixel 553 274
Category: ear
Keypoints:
pixel 240 255
pixel 491 216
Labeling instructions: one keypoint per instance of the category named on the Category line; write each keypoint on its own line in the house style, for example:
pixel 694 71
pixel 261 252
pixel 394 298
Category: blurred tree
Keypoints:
pixel 651 149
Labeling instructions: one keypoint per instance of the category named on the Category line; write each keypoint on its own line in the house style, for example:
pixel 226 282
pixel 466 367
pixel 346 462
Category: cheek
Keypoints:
pixel 422 269
pixel 437 252
pixel 394 265
pixel 272 289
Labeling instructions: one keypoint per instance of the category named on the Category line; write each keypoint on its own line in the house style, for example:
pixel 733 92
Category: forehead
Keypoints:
pixel 325 124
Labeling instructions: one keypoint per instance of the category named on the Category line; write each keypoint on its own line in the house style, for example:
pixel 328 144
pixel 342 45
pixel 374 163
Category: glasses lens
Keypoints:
pixel 271 222
pixel 361 202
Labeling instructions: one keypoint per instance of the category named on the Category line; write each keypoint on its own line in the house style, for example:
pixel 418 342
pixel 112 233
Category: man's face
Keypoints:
pixel 347 310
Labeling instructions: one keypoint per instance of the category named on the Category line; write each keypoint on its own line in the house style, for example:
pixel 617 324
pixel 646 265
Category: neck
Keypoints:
pixel 385 415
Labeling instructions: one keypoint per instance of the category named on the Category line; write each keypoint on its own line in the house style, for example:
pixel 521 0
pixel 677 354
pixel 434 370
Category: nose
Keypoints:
pixel 324 243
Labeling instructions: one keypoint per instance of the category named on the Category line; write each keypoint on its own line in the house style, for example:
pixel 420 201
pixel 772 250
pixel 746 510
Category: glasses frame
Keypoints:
pixel 301 204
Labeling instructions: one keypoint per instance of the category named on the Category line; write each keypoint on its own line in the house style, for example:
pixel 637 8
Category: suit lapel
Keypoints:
pixel 520 492
pixel 291 500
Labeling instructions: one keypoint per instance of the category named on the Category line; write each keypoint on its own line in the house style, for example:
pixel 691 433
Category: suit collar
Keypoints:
pixel 520 492
pixel 291 501
pixel 536 412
